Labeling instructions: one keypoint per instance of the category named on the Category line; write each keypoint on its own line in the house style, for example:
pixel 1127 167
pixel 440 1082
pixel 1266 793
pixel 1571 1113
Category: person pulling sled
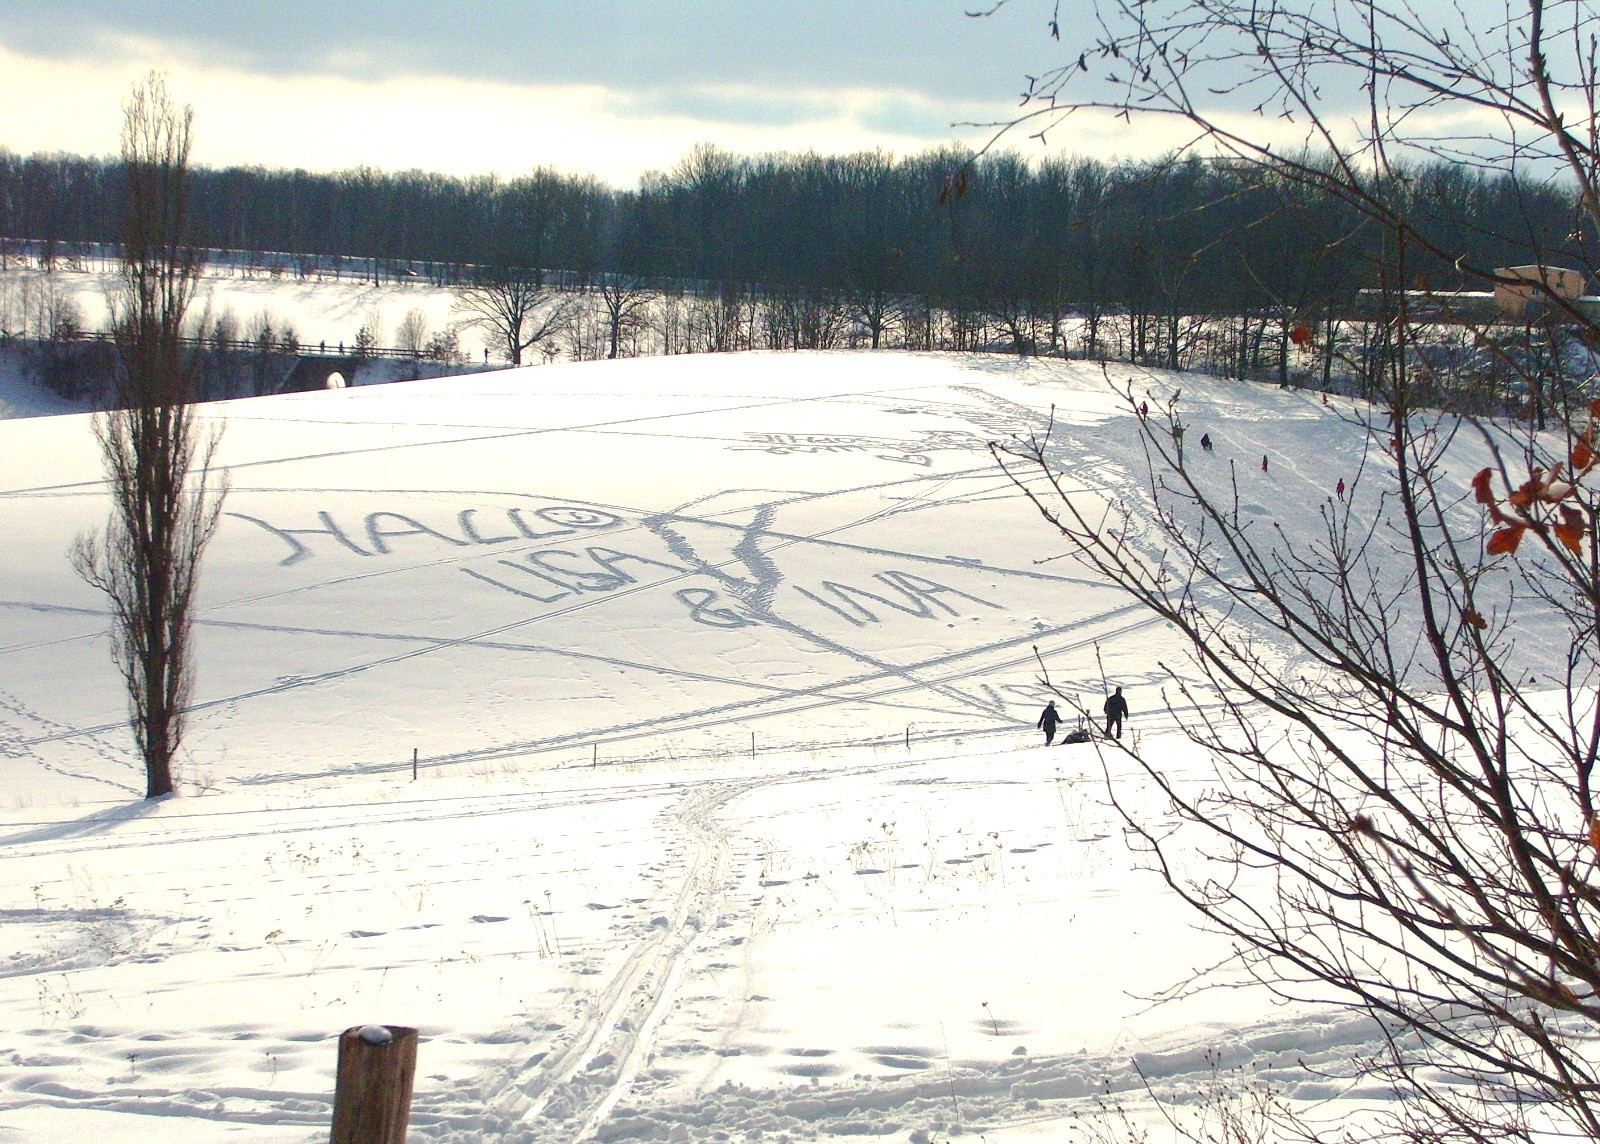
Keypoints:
pixel 1116 710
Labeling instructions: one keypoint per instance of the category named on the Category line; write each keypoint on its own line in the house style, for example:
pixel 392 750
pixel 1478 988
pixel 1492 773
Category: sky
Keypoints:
pixel 610 87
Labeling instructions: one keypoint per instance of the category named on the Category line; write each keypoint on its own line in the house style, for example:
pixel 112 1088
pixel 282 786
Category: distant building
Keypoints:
pixel 1522 297
pixel 1518 297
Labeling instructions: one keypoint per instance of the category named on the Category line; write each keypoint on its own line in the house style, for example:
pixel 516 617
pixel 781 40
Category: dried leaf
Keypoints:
pixel 1504 541
pixel 1480 487
pixel 1301 334
pixel 1594 832
pixel 1570 529
pixel 1474 620
pixel 1582 455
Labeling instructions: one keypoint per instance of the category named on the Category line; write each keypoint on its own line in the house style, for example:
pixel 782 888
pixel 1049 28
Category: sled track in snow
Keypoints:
pixel 567 1093
pixel 579 1090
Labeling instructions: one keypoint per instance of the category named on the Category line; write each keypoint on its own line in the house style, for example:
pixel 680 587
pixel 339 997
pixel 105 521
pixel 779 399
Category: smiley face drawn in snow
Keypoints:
pixel 568 516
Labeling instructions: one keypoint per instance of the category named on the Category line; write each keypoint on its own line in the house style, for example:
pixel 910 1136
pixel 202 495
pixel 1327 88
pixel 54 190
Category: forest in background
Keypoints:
pixel 994 232
pixel 1179 263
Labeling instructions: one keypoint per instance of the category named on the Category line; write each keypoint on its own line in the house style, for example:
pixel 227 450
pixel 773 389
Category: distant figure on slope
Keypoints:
pixel 1205 442
pixel 1144 409
pixel 1263 462
pixel 1339 488
pixel 1049 720
pixel 1116 711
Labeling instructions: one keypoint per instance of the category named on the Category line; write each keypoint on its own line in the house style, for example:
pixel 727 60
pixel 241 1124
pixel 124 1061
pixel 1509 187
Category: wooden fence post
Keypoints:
pixel 372 1095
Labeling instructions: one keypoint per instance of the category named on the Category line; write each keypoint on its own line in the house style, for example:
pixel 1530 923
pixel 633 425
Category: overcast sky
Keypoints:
pixel 614 87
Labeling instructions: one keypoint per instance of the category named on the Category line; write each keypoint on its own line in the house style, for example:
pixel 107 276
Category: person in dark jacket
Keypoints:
pixel 1049 720
pixel 1116 711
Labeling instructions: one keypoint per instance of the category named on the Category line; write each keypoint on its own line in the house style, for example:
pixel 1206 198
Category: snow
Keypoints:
pixel 20 397
pixel 323 312
pixel 729 818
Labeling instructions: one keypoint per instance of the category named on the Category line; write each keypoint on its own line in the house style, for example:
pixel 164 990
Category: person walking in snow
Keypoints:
pixel 1116 710
pixel 1205 442
pixel 1049 720
pixel 1263 462
pixel 1339 488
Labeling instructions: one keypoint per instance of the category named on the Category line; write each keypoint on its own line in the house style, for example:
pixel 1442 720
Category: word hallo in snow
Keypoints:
pixel 380 529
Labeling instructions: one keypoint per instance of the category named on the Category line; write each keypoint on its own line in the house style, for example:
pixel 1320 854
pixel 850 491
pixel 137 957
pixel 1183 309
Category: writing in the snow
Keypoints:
pixel 548 573
pixel 378 531
pixel 884 448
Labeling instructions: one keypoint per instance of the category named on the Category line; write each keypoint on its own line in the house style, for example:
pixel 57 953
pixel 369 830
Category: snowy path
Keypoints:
pixel 574 1089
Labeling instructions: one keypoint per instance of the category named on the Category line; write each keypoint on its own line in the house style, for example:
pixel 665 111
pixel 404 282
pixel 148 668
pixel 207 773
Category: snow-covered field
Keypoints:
pixel 729 819
pixel 324 314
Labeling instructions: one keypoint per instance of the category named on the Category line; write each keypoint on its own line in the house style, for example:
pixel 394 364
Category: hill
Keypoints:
pixel 720 673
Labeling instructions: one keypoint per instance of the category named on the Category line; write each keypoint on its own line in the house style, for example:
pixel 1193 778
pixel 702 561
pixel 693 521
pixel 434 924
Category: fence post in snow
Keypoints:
pixel 372 1095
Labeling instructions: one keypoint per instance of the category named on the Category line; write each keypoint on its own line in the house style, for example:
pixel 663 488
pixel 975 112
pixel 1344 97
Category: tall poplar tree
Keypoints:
pixel 165 500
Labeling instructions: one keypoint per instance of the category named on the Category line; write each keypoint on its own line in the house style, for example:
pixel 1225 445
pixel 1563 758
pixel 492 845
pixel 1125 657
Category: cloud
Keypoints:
pixel 608 86
pixel 330 122
pixel 612 87
pixel 926 47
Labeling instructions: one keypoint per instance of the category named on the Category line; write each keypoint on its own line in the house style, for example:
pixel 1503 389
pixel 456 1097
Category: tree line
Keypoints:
pixel 1006 245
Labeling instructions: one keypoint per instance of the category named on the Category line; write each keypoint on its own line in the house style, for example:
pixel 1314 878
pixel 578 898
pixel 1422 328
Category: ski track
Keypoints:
pixel 567 1094
pixel 581 1089
pixel 494 433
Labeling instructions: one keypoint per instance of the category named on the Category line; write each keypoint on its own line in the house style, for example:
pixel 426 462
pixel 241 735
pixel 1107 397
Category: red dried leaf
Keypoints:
pixel 1594 832
pixel 1473 620
pixel 1523 496
pixel 1480 487
pixel 1570 530
pixel 1504 541
pixel 1301 334
pixel 1594 407
pixel 1582 455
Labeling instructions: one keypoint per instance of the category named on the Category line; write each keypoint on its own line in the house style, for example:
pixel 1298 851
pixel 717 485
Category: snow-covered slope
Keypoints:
pixel 325 314
pixel 720 676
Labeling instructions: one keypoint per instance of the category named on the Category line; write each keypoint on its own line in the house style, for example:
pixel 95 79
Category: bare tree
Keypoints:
pixel 411 335
pixel 624 299
pixel 165 500
pixel 1408 757
pixel 514 306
